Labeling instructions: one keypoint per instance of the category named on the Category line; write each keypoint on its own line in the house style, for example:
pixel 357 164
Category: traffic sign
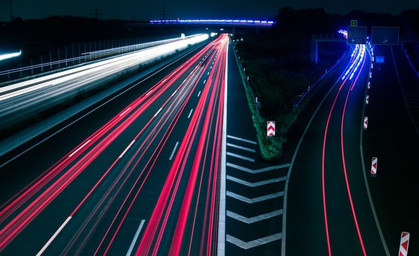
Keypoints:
pixel 270 127
pixel 374 165
pixel 404 243
pixel 379 59
pixel 365 122
pixel 385 35
pixel 357 35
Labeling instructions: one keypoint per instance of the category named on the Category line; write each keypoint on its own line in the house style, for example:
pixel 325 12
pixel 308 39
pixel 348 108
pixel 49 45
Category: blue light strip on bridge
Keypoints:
pixel 216 21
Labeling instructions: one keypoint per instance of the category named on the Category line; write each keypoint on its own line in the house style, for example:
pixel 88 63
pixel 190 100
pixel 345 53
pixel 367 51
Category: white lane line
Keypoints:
pixel 53 236
pixel 149 92
pixel 174 93
pixel 123 113
pixel 77 150
pixel 222 204
pixel 190 113
pixel 174 150
pixel 285 202
pixel 123 153
pixel 199 93
pixel 241 157
pixel 256 199
pixel 157 112
pixel 254 219
pixel 266 169
pixel 241 139
pixel 205 81
pixel 95 109
pixel 240 147
pixel 255 184
pixel 184 81
pixel 374 213
pixel 254 243
pixel 131 247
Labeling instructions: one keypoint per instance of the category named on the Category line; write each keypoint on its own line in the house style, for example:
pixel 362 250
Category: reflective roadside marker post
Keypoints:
pixel 365 122
pixel 404 243
pixel 374 165
pixel 270 128
pixel 367 99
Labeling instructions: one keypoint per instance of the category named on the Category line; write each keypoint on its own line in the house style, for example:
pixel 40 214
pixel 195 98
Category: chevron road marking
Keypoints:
pixel 241 157
pixel 241 139
pixel 255 184
pixel 256 199
pixel 254 219
pixel 266 169
pixel 240 147
pixel 254 243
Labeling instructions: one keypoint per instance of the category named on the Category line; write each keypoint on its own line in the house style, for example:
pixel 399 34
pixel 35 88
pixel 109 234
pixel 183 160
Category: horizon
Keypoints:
pixel 160 9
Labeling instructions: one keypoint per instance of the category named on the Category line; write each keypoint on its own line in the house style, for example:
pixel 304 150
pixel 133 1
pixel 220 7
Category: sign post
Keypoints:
pixel 270 128
pixel 374 165
pixel 404 243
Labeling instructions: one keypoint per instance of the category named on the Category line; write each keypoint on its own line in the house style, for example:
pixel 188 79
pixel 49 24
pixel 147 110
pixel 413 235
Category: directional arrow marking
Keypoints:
pixel 254 243
pixel 252 220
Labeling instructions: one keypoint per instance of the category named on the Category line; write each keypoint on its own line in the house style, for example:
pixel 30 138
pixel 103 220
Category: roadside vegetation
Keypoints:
pixel 279 69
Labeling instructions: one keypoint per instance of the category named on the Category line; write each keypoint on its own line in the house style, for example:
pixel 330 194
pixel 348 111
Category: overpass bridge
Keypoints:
pixel 215 25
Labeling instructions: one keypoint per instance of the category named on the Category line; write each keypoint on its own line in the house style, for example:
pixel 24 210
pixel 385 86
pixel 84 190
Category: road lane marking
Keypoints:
pixel 285 202
pixel 266 169
pixel 54 236
pixel 254 219
pixel 374 213
pixel 149 92
pixel 222 203
pixel 255 184
pixel 157 112
pixel 174 93
pixel 240 147
pixel 96 108
pixel 123 153
pixel 190 113
pixel 131 247
pixel 256 199
pixel 241 139
pixel 241 157
pixel 205 81
pixel 174 150
pixel 123 113
pixel 253 243
pixel 77 150
pixel 199 93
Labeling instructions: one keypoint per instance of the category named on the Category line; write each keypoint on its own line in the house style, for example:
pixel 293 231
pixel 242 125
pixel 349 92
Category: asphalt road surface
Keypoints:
pixel 128 178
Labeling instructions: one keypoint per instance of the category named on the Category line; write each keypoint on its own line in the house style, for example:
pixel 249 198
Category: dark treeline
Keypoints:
pixel 280 64
pixel 275 56
pixel 40 37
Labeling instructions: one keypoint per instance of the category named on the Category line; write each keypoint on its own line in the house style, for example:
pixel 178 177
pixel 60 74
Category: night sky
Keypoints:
pixel 150 9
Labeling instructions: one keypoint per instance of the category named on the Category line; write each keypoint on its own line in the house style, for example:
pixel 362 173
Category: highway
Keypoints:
pixel 329 209
pixel 138 176
pixel 30 97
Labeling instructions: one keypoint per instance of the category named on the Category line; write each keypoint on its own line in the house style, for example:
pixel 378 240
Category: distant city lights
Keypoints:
pixel 216 21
